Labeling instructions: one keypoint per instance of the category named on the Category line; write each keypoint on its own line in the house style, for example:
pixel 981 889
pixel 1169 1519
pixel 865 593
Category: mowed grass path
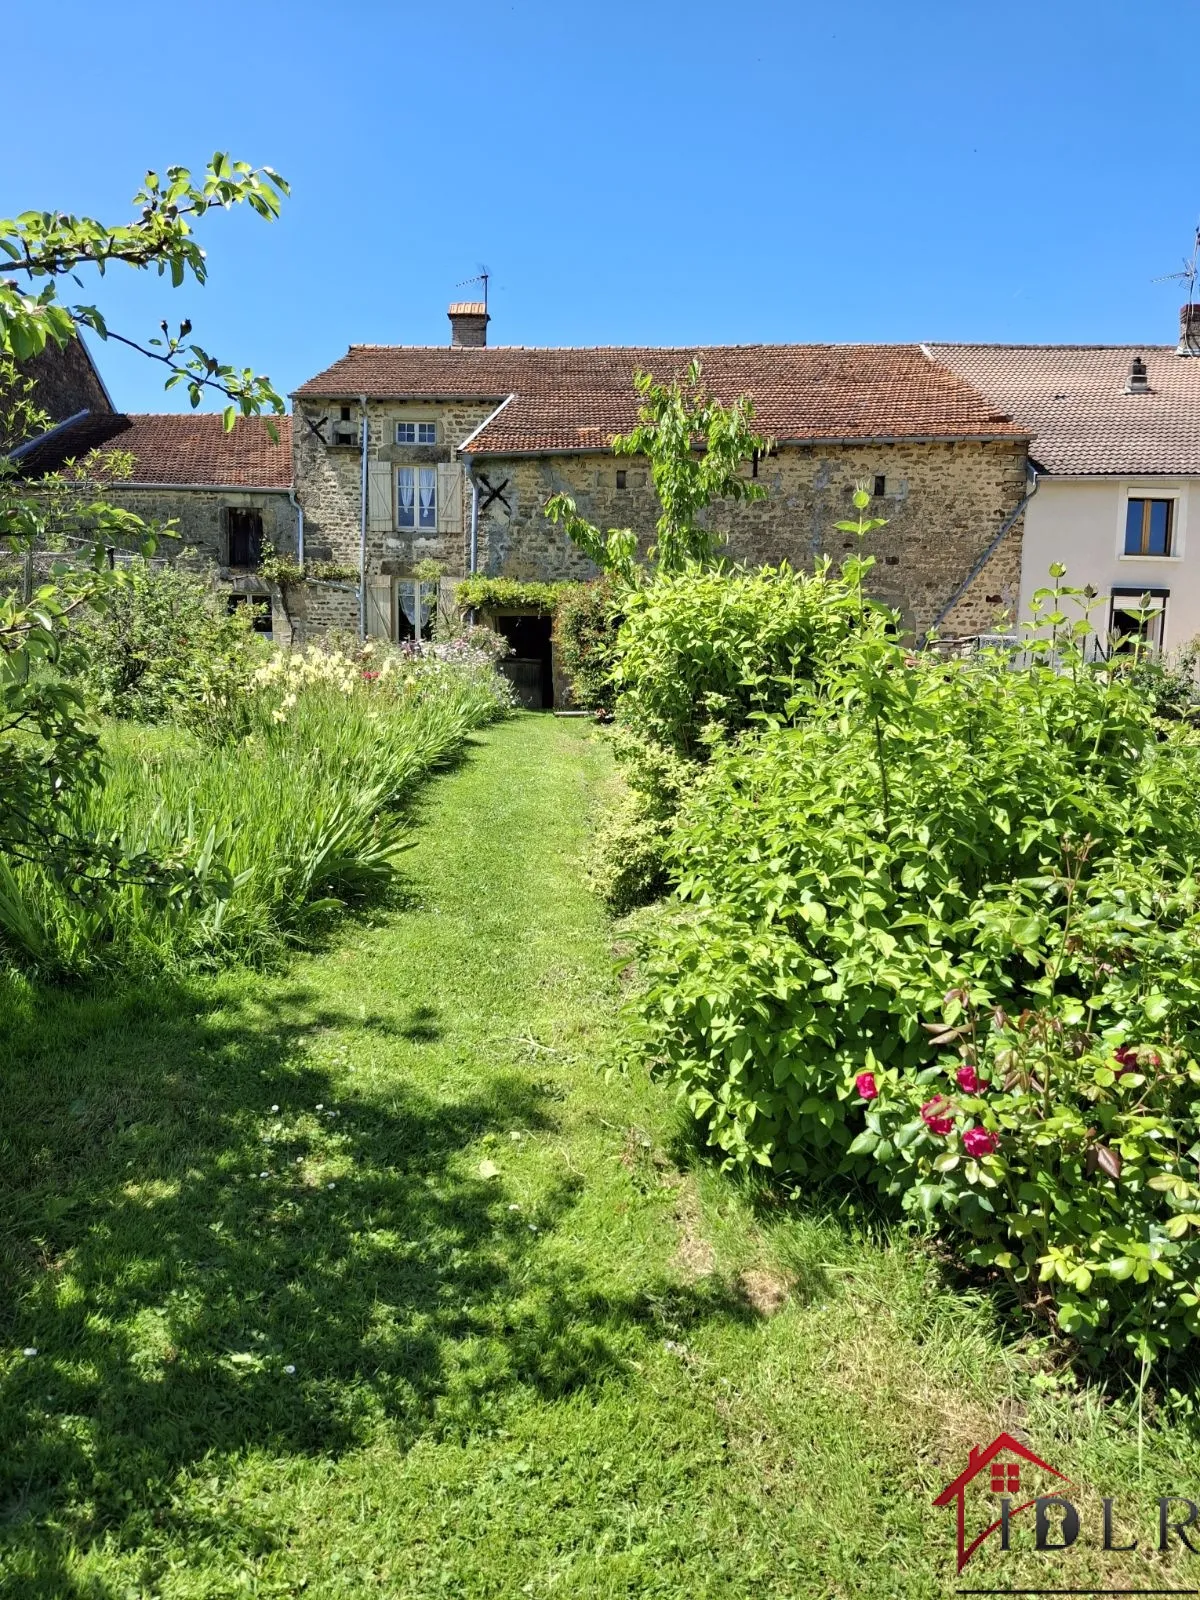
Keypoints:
pixel 376 1279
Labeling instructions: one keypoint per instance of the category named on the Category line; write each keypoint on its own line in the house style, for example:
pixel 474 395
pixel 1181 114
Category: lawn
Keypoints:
pixel 379 1277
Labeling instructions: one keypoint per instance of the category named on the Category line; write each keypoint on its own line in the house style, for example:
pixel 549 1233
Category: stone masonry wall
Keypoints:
pixel 199 532
pixel 329 485
pixel 944 504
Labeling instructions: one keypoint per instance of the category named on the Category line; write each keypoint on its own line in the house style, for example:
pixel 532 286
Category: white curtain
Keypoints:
pixel 404 498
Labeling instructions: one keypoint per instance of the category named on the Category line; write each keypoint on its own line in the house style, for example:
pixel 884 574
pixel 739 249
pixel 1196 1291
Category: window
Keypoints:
pixel 416 433
pixel 1137 614
pixel 1148 527
pixel 620 478
pixel 416 498
pixel 345 433
pixel 260 609
pixel 415 600
pixel 880 487
pixel 244 534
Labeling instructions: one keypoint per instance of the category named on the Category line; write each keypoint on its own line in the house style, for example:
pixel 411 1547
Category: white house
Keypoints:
pixel 1115 470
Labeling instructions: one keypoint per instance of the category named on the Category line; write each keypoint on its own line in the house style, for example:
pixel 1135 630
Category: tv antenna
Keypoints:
pixel 1189 272
pixel 483 275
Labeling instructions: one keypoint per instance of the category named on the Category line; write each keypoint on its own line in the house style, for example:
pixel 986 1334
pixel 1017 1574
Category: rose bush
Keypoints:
pixel 941 841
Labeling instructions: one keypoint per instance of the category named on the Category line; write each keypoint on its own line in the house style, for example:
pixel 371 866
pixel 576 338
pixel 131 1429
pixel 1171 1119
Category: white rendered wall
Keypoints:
pixel 1081 522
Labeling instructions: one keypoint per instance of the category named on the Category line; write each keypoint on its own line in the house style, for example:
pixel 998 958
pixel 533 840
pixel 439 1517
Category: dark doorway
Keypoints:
pixel 245 534
pixel 530 668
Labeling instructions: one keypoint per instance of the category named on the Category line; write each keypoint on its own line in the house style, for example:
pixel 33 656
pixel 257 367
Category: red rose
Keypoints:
pixel 865 1084
pixel 933 1115
pixel 979 1142
pixel 1127 1057
pixel 968 1080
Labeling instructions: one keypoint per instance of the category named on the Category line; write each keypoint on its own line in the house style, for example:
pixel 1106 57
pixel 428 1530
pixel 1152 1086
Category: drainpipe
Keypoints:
pixel 299 510
pixel 473 553
pixel 473 557
pixel 362 536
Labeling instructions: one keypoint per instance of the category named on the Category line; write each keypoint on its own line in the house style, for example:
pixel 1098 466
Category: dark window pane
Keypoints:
pixel 1160 516
pixel 245 537
pixel 1133 528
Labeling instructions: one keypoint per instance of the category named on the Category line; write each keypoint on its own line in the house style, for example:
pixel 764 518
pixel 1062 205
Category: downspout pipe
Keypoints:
pixel 986 556
pixel 473 552
pixel 362 532
pixel 299 510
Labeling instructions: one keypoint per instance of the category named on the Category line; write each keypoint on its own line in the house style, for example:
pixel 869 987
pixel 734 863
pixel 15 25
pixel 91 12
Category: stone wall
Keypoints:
pixel 329 484
pixel 944 504
pixel 199 531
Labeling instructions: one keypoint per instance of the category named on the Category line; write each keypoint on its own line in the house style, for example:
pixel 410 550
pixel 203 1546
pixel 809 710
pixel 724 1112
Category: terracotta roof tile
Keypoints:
pixel 194 448
pixel 578 399
pixel 1072 400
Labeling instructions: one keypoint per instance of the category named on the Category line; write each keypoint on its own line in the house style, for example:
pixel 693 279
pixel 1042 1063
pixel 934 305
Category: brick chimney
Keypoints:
pixel 469 320
pixel 1189 331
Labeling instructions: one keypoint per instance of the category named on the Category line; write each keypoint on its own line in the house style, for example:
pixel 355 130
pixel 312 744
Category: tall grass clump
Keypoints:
pixel 248 842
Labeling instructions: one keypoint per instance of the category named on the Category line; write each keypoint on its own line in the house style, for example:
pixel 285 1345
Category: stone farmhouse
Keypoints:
pixel 988 463
pixel 406 453
pixel 229 494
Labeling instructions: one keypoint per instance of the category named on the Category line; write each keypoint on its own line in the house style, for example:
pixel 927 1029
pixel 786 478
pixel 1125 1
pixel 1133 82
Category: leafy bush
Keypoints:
pixel 937 842
pixel 165 646
pixel 586 621
pixel 302 815
pixel 720 647
pixel 628 861
pixel 481 593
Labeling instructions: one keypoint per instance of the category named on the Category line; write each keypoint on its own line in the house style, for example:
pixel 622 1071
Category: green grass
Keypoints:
pixel 538 1350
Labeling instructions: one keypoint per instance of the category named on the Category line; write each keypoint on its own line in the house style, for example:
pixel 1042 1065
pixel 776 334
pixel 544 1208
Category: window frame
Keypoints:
pixel 417 424
pixel 1132 593
pixel 416 472
pixel 243 514
pixel 1176 500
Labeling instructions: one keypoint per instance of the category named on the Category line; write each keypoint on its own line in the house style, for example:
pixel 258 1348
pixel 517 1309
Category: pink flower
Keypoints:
pixel 370 676
pixel 968 1080
pixel 979 1142
pixel 933 1115
pixel 1128 1058
pixel 865 1084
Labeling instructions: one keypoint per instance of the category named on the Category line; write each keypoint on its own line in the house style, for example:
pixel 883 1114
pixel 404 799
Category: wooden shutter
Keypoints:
pixel 379 609
pixel 450 497
pixel 381 518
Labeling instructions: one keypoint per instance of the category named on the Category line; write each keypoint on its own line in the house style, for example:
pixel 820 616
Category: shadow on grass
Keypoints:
pixel 172 1246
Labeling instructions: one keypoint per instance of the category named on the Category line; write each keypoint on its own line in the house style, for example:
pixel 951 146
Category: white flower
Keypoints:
pixel 274 1108
pixel 289 1369
pixel 264 1174
pixel 329 1186
pixel 30 1350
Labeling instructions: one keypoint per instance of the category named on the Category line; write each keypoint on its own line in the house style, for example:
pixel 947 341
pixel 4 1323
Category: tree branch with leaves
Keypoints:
pixel 697 450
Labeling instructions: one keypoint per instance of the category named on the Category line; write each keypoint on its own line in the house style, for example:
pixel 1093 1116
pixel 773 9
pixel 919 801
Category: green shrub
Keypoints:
pixel 628 864
pixel 481 593
pixel 165 646
pixel 586 621
pixel 718 647
pixel 942 840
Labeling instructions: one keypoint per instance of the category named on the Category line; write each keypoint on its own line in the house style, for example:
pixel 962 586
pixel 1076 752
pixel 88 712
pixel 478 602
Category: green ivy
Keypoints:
pixel 510 594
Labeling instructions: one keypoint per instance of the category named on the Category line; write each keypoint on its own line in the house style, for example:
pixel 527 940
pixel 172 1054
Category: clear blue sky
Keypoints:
pixel 631 172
